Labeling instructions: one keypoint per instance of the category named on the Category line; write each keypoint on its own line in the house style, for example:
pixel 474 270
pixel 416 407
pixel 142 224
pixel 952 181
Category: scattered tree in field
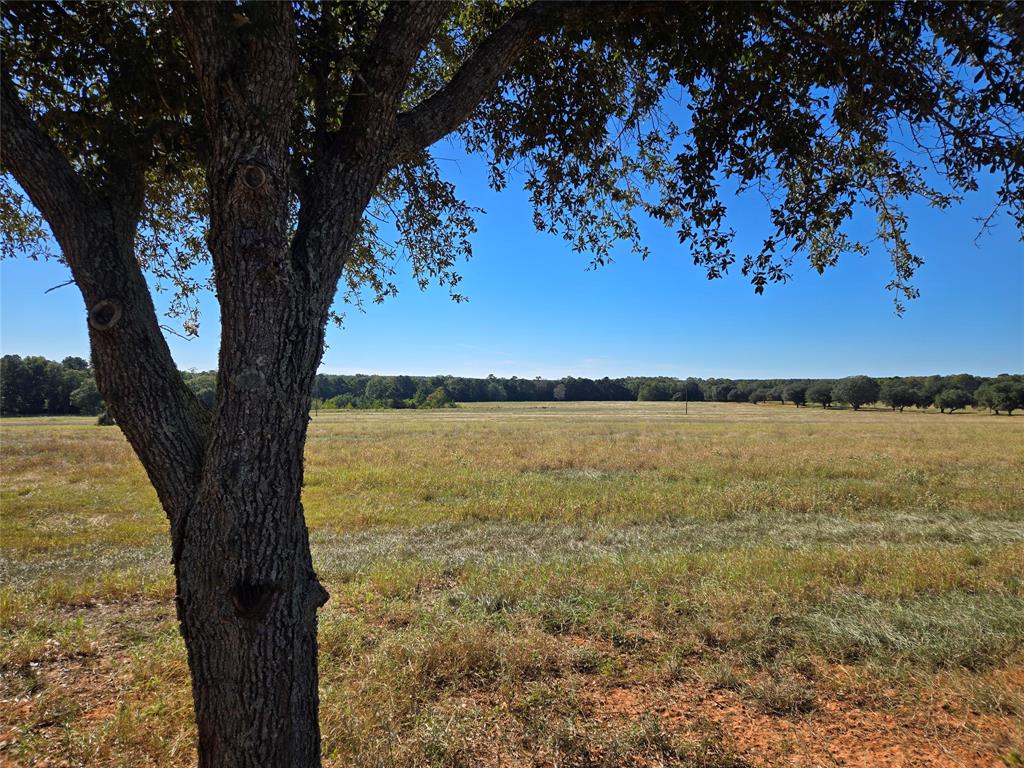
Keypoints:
pixel 965 381
pixel 953 399
pixel 271 138
pixel 856 391
pixel 899 394
pixel 759 395
pixel 986 397
pixel 820 392
pixel 1005 393
pixel 796 393
pixel 928 389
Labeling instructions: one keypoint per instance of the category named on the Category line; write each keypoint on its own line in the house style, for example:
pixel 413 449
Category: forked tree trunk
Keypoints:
pixel 247 593
pixel 231 481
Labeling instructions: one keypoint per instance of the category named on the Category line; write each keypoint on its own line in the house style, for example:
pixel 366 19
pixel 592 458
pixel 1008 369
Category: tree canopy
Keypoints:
pixel 33 385
pixel 899 394
pixel 856 390
pixel 1005 393
pixel 805 104
pixel 953 399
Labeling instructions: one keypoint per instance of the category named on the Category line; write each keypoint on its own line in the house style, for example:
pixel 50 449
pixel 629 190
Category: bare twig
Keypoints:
pixel 60 285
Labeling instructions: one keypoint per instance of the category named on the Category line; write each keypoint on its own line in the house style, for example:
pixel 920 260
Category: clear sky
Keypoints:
pixel 535 310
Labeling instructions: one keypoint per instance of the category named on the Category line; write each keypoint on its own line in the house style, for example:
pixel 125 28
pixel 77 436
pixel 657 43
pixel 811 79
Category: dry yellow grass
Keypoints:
pixel 570 584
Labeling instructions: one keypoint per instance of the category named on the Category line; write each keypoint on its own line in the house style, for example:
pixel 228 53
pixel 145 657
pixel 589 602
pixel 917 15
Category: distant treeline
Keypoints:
pixel 1004 393
pixel 35 385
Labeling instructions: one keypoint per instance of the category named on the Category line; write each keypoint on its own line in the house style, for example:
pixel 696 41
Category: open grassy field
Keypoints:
pixel 577 584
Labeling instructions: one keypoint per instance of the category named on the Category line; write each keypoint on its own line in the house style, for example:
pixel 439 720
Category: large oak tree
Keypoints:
pixel 272 139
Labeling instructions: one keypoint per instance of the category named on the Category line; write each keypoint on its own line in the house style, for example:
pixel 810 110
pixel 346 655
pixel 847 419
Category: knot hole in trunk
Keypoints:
pixel 253 175
pixel 252 600
pixel 105 314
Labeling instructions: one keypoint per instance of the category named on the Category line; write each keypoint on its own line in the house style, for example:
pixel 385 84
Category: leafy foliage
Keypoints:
pixel 35 385
pixel 820 392
pixel 25 232
pixel 799 103
pixel 953 399
pixel 1005 393
pixel 87 398
pixel 613 116
pixel 856 390
pixel 796 393
pixel 898 394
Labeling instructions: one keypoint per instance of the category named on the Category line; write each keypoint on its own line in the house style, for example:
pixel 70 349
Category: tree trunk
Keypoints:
pixel 247 592
pixel 231 481
pixel 247 609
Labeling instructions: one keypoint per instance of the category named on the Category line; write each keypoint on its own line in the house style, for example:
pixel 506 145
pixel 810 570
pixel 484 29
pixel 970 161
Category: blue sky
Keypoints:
pixel 535 310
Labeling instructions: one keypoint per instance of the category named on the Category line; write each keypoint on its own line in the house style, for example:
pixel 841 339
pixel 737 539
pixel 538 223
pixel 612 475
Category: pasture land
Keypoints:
pixel 578 584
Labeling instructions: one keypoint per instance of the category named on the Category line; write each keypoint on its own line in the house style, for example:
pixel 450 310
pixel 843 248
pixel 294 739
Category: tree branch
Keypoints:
pixel 369 115
pixel 345 174
pixel 162 419
pixel 39 167
pixel 447 109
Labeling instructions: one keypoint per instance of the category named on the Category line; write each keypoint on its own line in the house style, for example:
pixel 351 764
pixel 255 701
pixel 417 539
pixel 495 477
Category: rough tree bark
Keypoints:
pixel 247 593
pixel 230 481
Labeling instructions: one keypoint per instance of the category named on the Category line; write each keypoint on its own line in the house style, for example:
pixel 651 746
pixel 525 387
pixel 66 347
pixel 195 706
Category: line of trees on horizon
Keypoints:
pixel 33 385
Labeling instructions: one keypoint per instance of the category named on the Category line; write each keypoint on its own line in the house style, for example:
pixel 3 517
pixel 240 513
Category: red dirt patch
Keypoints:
pixel 836 733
